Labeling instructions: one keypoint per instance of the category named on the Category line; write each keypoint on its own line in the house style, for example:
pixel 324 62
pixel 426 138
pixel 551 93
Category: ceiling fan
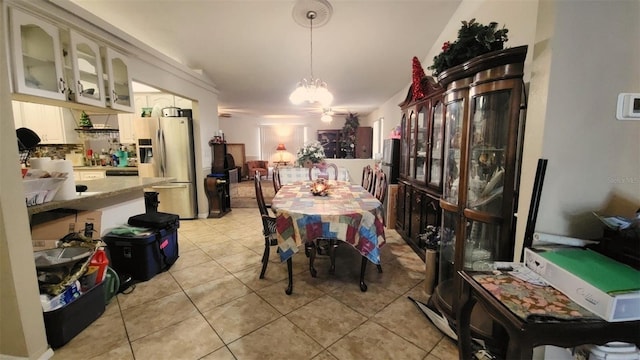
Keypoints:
pixel 329 113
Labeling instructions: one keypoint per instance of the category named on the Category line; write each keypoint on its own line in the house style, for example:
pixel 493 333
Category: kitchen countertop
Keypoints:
pixel 101 189
pixel 94 168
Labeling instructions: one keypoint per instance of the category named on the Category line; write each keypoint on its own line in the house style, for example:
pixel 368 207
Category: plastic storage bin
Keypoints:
pixel 63 324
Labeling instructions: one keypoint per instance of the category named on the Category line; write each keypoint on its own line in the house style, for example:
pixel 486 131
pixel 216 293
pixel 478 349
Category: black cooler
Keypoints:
pixel 144 254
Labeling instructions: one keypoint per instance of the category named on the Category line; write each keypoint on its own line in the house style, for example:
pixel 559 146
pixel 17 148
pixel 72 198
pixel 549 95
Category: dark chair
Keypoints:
pixel 315 172
pixel 367 178
pixel 260 166
pixel 276 179
pixel 268 225
pixel 380 185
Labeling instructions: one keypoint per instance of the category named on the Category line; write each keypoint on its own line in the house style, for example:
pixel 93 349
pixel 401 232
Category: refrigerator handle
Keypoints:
pixel 160 152
pixel 164 153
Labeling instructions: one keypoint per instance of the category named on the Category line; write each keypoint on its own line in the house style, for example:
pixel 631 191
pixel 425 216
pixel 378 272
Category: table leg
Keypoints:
pixel 363 268
pixel 289 289
pixel 463 322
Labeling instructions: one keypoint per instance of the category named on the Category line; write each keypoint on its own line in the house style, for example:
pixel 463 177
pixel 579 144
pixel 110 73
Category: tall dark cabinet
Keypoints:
pixel 216 184
pixel 484 110
pixel 331 141
pixel 421 154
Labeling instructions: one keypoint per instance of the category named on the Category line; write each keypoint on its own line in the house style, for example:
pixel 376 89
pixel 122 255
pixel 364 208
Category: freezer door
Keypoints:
pixel 176 146
pixel 176 198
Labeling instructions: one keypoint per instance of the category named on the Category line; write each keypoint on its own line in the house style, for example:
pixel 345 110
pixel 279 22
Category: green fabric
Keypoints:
pixel 126 230
pixel 598 270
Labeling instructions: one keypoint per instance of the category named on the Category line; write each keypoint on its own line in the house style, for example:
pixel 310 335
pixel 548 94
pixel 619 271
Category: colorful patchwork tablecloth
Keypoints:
pixel 533 302
pixel 349 213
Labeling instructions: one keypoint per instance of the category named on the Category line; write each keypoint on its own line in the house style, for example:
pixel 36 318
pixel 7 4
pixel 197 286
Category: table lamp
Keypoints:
pixel 281 149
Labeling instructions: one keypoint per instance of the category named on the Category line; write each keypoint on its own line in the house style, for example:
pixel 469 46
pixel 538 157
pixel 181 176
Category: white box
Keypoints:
pixel 613 308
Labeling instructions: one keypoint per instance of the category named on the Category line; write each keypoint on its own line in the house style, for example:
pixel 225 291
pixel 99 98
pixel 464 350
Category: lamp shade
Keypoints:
pixel 281 147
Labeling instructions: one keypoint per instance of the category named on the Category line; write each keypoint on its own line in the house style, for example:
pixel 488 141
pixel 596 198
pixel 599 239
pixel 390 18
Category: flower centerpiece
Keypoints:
pixel 309 154
pixel 474 39
pixel 320 187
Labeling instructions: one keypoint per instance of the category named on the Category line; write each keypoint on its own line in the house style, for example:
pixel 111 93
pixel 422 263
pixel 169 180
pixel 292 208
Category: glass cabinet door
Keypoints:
pixel 435 168
pixel 421 145
pixel 481 245
pixel 447 245
pixel 404 146
pixel 488 139
pixel 412 144
pixel 86 65
pixel 119 81
pixel 37 57
pixel 452 146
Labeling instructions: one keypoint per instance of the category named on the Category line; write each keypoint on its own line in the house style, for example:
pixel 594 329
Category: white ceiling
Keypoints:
pixel 256 53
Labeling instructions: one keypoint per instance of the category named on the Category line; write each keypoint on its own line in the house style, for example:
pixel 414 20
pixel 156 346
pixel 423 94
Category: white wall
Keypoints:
pixel 585 54
pixel 517 16
pixel 22 333
pixel 245 130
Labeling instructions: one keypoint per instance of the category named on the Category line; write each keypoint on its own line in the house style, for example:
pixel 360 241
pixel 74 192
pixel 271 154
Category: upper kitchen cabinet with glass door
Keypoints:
pixel 37 57
pixel 119 95
pixel 83 66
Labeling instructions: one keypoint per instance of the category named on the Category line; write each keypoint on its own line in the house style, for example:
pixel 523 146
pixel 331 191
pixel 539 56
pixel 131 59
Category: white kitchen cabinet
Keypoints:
pixel 139 101
pixel 53 125
pixel 17 114
pixel 84 70
pixel 92 174
pixel 159 101
pixel 37 57
pixel 183 103
pixel 120 96
pixel 125 126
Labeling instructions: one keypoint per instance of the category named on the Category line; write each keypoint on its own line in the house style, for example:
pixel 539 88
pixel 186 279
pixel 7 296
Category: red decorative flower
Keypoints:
pixel 446 46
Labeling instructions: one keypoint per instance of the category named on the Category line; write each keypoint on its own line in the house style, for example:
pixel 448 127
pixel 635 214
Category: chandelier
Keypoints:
pixel 312 90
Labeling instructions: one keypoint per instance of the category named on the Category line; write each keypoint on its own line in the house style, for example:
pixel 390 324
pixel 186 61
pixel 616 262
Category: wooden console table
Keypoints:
pixel 577 327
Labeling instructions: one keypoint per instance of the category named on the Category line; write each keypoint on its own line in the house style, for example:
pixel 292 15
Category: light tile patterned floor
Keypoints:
pixel 212 305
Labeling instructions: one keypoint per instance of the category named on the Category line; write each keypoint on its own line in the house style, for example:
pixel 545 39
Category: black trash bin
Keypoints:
pixel 151 202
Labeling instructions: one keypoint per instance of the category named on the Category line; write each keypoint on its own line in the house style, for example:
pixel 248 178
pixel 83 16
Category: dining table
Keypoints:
pixel 347 213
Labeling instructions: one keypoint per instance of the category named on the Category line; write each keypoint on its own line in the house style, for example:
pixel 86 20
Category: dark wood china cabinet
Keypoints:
pixel 421 147
pixel 484 111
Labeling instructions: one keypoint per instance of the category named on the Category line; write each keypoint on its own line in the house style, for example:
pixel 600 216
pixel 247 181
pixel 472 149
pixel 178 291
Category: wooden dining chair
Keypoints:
pixel 367 178
pixel 268 225
pixel 330 172
pixel 380 185
pixel 276 179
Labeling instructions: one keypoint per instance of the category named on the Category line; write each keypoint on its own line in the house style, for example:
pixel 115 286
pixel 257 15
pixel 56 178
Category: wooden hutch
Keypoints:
pixel 421 155
pixel 485 107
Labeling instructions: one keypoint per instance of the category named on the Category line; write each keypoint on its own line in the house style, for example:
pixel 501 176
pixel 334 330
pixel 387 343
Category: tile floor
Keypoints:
pixel 212 305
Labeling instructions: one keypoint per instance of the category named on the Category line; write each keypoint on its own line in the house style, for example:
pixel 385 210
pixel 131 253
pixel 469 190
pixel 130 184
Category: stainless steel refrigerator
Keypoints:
pixel 391 159
pixel 165 149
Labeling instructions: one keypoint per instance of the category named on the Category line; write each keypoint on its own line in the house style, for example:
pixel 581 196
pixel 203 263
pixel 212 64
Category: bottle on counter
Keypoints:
pixel 89 159
pixel 104 158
